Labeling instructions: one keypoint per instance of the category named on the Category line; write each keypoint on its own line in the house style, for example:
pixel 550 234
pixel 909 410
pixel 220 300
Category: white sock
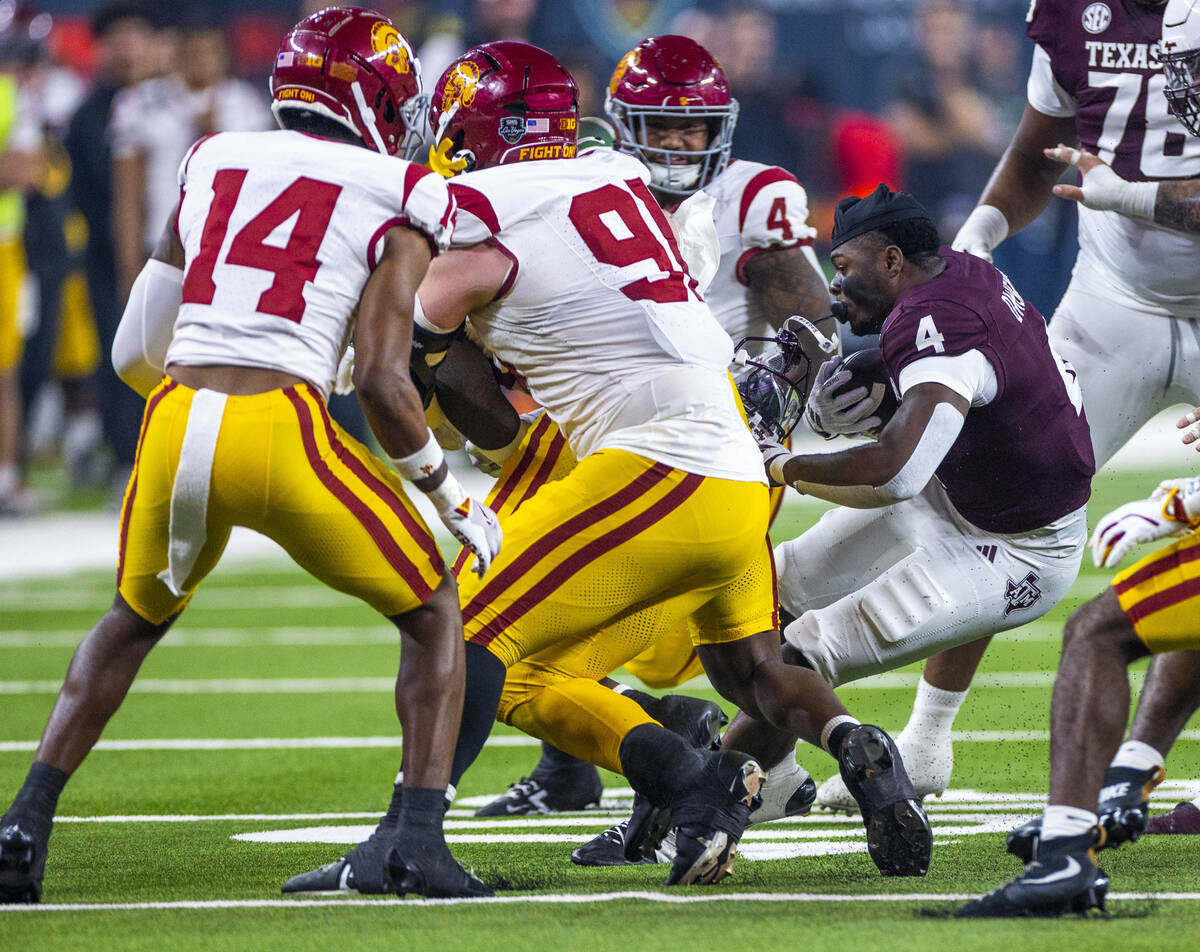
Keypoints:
pixel 1065 821
pixel 621 688
pixel 1135 754
pixel 933 711
pixel 829 727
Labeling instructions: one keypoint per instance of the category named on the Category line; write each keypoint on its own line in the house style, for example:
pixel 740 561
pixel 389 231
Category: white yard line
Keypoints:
pixel 573 899
pixel 248 637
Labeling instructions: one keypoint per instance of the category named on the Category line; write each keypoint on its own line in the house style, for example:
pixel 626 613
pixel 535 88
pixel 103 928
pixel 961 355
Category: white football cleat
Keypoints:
pixel 788 791
pixel 929 763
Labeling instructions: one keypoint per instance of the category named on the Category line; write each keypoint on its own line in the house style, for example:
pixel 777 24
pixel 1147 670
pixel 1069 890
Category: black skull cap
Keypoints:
pixel 857 216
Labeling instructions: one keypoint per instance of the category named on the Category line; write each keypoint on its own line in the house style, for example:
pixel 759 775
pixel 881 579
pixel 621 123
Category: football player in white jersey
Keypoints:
pixel 672 109
pixel 249 331
pixel 1129 321
pixel 572 277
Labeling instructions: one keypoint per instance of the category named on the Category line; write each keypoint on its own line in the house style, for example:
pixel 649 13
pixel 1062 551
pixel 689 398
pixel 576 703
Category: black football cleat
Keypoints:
pixel 1123 810
pixel 22 862
pixel 359 871
pixel 1062 879
pixel 898 835
pixel 709 816
pixel 645 830
pixel 427 869
pixel 608 849
pixel 696 720
pixel 560 790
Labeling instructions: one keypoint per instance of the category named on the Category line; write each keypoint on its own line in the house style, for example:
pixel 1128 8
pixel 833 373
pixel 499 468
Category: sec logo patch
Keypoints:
pixel 1097 17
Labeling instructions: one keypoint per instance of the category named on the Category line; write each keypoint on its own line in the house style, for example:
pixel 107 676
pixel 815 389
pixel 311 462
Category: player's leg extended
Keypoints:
pixel 348 522
pixel 1168 699
pixel 107 660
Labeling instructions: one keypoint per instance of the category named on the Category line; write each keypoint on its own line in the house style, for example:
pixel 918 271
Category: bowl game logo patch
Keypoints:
pixel 512 129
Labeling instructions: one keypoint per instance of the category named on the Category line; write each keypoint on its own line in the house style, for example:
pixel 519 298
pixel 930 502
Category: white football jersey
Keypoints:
pixel 281 231
pixel 600 318
pixel 757 207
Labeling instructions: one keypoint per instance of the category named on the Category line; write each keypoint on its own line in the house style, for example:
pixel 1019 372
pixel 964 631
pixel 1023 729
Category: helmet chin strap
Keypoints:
pixel 368 118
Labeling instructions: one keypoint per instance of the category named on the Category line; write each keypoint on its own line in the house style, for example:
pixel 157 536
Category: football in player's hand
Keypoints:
pixel 868 370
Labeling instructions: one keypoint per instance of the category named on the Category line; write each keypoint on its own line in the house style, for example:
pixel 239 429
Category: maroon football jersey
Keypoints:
pixel 1024 459
pixel 1104 53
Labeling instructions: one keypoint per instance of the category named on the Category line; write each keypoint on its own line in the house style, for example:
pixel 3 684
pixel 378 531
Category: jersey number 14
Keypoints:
pixel 293 265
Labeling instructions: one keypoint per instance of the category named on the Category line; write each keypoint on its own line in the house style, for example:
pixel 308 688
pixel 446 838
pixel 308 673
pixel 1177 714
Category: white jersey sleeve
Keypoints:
pixel 278 250
pixel 1043 91
pixel 758 207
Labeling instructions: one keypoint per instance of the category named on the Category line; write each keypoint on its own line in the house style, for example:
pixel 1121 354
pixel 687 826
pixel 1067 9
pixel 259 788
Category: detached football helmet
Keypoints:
pixel 352 66
pixel 499 103
pixel 668 77
pixel 1180 55
pixel 774 385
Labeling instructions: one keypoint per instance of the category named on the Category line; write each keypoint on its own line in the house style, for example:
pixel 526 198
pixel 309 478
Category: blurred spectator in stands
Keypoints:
pixel 153 125
pixel 950 132
pixel 449 35
pixel 20 166
pixel 128 51
pixel 63 336
pixel 783 117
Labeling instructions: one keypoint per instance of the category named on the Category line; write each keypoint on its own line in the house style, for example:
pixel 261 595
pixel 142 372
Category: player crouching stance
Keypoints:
pixel 237 432
pixel 574 280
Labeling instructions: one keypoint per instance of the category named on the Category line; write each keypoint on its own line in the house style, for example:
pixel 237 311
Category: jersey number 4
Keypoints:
pixel 293 264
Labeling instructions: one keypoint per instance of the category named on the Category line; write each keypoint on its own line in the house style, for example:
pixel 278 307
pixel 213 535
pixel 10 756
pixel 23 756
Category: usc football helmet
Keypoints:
pixel 500 103
pixel 670 77
pixel 774 385
pixel 1180 55
pixel 352 66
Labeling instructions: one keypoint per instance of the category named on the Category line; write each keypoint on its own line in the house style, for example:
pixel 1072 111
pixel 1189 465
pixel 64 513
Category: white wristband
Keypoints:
pixel 1138 198
pixel 986 226
pixel 448 494
pixel 423 463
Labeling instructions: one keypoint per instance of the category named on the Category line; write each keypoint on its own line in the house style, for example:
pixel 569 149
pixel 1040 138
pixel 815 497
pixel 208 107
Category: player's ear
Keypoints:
pixel 893 260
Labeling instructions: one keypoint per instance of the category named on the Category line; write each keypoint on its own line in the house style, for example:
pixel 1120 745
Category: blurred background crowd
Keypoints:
pixel 99 102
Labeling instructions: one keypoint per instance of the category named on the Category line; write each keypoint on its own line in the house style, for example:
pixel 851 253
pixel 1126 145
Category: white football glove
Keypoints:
pixel 845 414
pixel 775 455
pixel 984 228
pixel 1101 188
pixel 475 526
pixel 1143 520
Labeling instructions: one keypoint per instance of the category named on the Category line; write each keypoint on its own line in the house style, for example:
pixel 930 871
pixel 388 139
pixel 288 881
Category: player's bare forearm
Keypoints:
pixel 1021 183
pixel 470 396
pixel 383 343
pixel 783 282
pixel 128 218
pixel 1177 205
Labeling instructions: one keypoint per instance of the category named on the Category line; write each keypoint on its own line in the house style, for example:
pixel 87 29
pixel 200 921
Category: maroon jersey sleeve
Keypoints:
pixel 929 329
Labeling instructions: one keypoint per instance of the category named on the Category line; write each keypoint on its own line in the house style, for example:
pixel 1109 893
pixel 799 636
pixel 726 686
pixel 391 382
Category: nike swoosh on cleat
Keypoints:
pixel 1071 869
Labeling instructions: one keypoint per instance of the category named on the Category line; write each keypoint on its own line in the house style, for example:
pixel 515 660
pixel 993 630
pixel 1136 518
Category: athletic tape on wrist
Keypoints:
pixel 423 463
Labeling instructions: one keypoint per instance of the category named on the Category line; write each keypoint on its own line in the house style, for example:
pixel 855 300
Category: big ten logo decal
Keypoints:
pixel 386 40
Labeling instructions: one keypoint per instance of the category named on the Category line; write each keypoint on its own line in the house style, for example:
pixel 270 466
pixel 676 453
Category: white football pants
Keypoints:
pixel 875 589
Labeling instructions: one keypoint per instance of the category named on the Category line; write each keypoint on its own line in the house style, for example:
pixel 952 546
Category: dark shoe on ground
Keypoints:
pixel 22 861
pixel 710 814
pixel 608 849
pixel 697 721
pixel 898 835
pixel 359 871
pixel 559 790
pixel 1063 878
pixel 427 869
pixel 645 830
pixel 1183 818
pixel 1122 808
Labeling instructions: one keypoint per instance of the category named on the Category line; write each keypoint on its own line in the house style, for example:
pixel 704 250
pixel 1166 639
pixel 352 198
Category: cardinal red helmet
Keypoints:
pixel 668 77
pixel 352 66
pixel 499 103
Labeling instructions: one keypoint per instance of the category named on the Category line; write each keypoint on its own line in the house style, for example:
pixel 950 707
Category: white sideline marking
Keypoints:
pixel 235 597
pixel 369 685
pixel 674 899
pixel 249 637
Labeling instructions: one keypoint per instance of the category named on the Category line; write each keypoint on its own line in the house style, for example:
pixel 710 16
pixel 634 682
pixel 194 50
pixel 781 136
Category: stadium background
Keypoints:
pixel 270 699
